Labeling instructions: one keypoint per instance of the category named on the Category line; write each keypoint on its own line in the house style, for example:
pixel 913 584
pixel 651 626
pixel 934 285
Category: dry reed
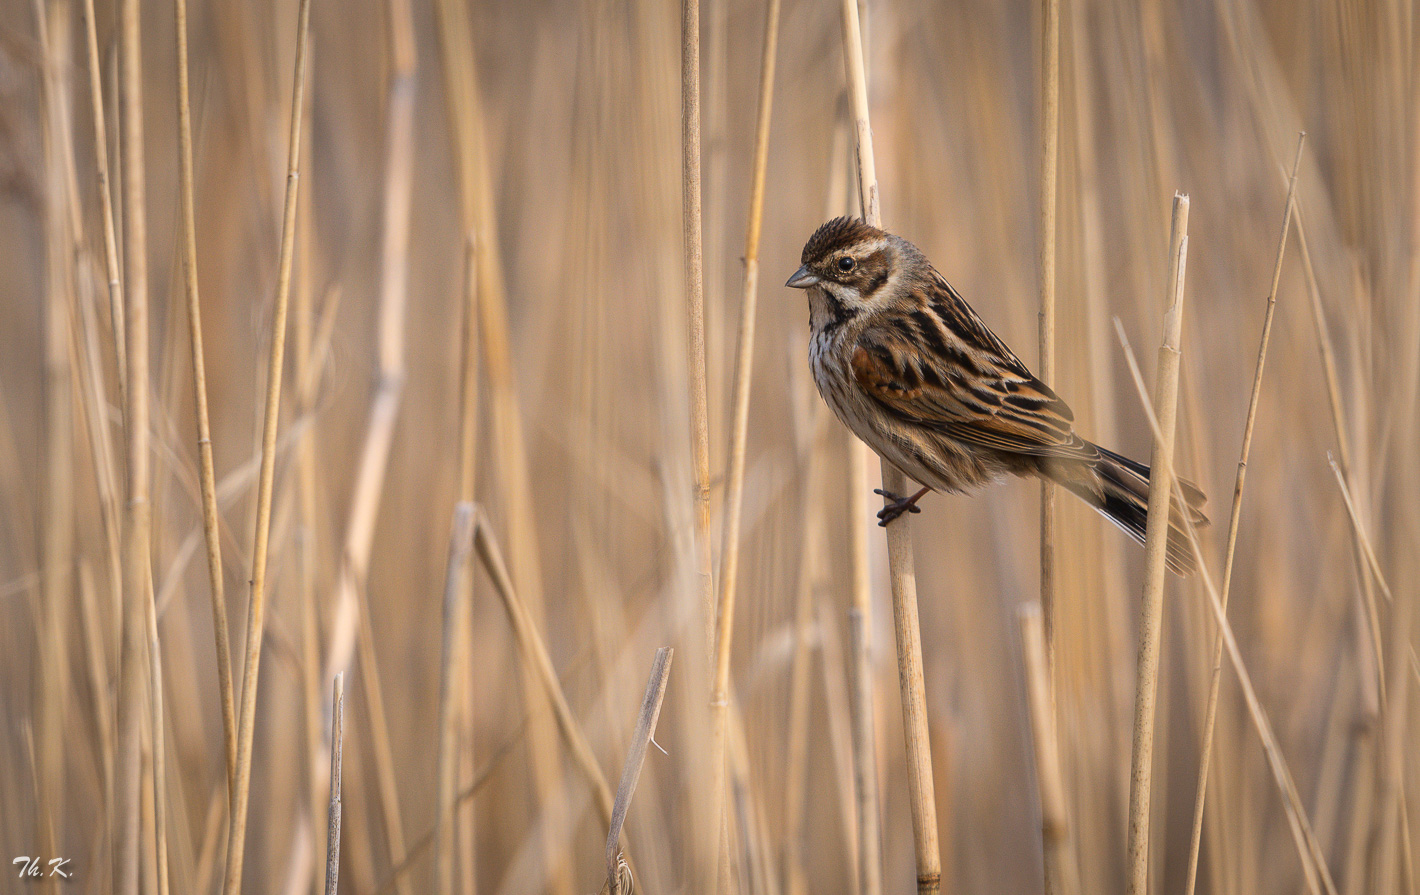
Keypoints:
pixel 256 609
pixel 542 257
pixel 1062 875
pixel 739 426
pixel 337 752
pixel 456 609
pixel 1049 165
pixel 1211 712
pixel 900 558
pixel 206 470
pixel 1155 550
pixel 138 515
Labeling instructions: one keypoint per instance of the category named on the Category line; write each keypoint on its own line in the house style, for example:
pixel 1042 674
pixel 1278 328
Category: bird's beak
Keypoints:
pixel 802 279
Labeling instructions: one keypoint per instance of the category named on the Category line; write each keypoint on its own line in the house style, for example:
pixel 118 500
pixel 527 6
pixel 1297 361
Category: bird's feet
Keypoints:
pixel 896 505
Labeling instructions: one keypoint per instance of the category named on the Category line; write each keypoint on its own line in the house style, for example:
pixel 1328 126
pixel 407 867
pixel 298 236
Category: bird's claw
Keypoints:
pixel 896 506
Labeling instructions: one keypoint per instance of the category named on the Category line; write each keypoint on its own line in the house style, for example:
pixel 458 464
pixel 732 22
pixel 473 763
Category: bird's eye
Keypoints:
pixel 845 264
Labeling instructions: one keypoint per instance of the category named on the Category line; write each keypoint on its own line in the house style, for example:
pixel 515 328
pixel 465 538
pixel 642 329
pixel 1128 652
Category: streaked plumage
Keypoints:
pixel 907 365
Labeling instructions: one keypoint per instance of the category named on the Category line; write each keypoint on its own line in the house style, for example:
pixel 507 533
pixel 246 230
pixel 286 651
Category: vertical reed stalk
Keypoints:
pixel 1062 874
pixel 352 603
pixel 106 212
pixel 739 426
pixel 476 193
pixel 456 593
pixel 1049 163
pixel 1308 848
pixel 337 748
pixel 1211 713
pixel 899 537
pixel 256 612
pixel 810 418
pixel 693 245
pixel 204 430
pixel 1155 551
pixel 138 516
pixel 52 696
pixel 467 844
pixel 160 776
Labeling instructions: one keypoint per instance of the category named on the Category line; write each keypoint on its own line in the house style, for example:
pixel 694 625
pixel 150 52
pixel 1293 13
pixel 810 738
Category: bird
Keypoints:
pixel 907 365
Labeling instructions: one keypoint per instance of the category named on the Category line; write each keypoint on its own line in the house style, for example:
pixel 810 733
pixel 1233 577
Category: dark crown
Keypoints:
pixel 835 235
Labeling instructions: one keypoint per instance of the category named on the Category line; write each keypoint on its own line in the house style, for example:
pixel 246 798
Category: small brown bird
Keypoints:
pixel 907 365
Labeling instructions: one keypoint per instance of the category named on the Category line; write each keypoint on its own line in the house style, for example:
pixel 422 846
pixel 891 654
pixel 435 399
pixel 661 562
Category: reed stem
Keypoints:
pixel 1155 552
pixel 899 538
pixel 256 612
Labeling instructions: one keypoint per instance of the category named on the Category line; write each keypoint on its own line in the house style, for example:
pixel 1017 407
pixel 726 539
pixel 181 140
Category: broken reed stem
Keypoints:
pixel 1062 874
pixel 739 426
pixel 1211 713
pixel 1308 848
pixel 106 212
pixel 1049 164
pixel 456 593
pixel 337 748
pixel 139 513
pixel 1155 552
pixel 534 651
pixel 256 611
pixel 635 758
pixel 899 538
pixel 206 473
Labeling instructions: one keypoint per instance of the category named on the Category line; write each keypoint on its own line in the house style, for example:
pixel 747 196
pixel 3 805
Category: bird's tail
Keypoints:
pixel 1119 488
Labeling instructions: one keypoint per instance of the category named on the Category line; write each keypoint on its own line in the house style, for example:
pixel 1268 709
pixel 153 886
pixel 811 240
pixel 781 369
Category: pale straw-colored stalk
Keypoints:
pixel 466 844
pixel 57 550
pixel 256 611
pixel 900 558
pixel 1062 873
pixel 456 610
pixel 138 516
pixel 618 869
pixel 205 470
pixel 337 749
pixel 739 425
pixel 1211 712
pixel 106 209
pixel 1146 679
pixel 1049 164
pixel 534 650
pixel 509 455
pixel 159 742
pixel 692 233
pixel 352 602
pixel 1304 838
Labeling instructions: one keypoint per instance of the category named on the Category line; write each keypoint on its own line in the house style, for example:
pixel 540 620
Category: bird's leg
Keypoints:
pixel 896 506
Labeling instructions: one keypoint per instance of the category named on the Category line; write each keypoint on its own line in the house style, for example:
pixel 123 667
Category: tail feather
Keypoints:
pixel 1119 488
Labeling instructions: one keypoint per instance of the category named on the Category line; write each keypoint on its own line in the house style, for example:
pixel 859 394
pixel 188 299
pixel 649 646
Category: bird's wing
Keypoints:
pixel 941 368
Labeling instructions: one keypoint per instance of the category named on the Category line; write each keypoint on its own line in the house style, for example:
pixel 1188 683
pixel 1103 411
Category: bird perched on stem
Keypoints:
pixel 909 367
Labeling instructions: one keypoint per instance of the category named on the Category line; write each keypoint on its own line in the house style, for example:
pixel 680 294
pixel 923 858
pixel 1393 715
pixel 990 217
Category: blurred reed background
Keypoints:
pixel 524 159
